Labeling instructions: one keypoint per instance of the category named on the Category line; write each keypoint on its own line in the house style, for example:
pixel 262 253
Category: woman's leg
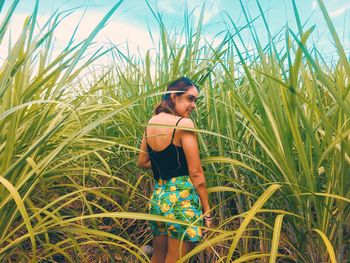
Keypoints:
pixel 160 248
pixel 174 249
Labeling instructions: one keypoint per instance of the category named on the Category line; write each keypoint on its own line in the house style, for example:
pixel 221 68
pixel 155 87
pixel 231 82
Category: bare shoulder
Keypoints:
pixel 186 122
pixel 152 119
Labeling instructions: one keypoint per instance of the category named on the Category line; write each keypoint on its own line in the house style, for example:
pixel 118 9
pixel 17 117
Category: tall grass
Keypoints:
pixel 273 128
pixel 52 166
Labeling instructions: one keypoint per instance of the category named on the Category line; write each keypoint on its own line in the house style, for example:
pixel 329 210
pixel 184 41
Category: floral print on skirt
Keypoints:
pixel 176 198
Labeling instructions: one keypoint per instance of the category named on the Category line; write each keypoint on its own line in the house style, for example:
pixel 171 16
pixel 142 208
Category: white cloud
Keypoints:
pixel 339 11
pixel 120 33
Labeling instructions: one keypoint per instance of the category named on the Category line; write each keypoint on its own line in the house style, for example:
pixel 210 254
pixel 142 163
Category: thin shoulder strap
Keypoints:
pixel 172 138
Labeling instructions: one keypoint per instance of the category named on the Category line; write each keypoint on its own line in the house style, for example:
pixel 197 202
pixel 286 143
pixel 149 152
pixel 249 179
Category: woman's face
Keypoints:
pixel 186 102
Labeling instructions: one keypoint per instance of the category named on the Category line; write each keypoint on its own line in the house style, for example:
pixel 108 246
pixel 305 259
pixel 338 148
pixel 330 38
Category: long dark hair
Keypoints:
pixel 178 87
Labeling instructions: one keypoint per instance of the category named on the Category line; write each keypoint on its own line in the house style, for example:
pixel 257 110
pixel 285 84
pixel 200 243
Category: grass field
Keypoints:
pixel 273 130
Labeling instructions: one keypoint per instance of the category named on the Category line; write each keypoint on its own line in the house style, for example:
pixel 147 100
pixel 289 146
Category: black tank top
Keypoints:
pixel 168 163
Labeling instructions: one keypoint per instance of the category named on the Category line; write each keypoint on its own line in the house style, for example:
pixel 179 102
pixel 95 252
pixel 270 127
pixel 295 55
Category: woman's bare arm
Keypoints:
pixel 190 147
pixel 144 160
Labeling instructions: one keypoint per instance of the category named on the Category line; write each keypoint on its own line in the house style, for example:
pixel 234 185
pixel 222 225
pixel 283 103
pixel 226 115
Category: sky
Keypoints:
pixel 133 21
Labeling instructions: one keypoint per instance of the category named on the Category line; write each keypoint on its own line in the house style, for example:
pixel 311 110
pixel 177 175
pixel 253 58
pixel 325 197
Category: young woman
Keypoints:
pixel 179 191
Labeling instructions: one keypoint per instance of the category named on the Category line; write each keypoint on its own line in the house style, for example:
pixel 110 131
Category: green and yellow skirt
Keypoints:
pixel 177 198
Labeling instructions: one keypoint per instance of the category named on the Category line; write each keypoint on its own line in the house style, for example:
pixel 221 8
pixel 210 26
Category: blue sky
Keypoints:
pixel 131 21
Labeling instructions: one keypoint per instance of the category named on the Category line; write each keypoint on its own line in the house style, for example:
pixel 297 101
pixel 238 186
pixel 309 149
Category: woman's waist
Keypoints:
pixel 169 172
pixel 176 183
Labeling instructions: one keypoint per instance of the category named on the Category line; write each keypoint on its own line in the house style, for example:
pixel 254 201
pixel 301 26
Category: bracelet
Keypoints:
pixel 207 218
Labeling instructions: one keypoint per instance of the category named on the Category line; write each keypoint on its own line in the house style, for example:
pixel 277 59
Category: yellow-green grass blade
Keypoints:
pixel 257 205
pixel 276 238
pixel 21 207
pixel 328 245
pixel 294 71
pixel 338 197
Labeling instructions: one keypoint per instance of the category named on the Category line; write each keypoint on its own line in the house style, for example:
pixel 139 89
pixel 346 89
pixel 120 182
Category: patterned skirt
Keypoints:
pixel 177 199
